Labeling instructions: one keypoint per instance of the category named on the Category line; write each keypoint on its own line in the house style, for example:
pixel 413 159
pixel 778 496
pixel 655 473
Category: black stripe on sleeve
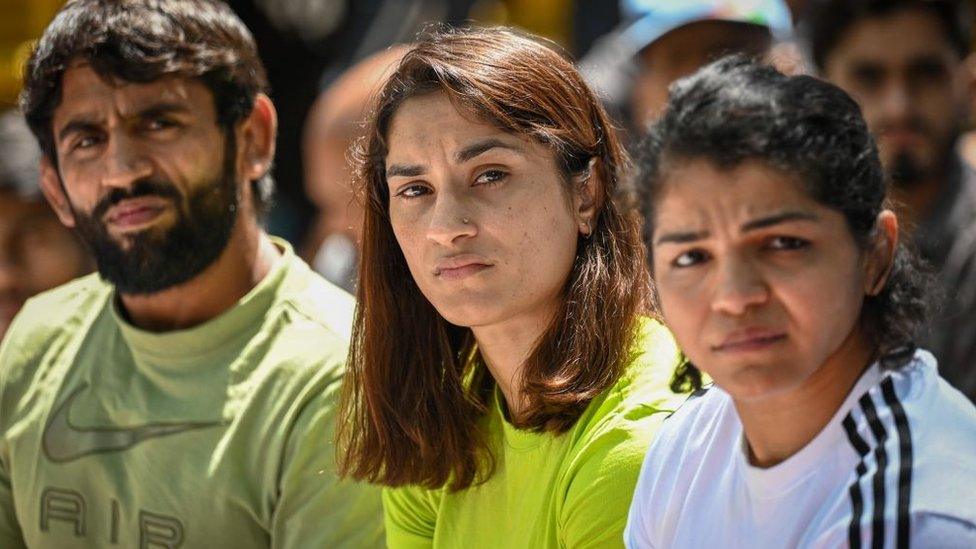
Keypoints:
pixel 857 500
pixel 878 481
pixel 904 461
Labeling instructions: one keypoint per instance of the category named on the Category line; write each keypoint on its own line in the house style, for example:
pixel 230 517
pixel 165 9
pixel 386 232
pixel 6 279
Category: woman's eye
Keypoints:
pixel 412 191
pixel 490 177
pixel 690 258
pixel 788 243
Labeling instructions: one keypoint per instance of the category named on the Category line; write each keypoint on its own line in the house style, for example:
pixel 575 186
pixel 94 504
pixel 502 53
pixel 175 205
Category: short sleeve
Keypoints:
pixel 931 530
pixel 315 507
pixel 599 496
pixel 411 516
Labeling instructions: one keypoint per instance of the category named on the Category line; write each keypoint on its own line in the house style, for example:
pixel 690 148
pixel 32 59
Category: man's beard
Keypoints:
pixel 905 171
pixel 154 260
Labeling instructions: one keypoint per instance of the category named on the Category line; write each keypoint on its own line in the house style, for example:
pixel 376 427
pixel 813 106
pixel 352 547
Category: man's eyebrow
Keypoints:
pixel 80 124
pixel 158 109
pixel 403 170
pixel 776 219
pixel 483 146
pixel 90 122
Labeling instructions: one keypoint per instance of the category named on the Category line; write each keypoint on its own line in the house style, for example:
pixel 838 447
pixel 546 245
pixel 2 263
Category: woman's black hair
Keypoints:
pixel 735 110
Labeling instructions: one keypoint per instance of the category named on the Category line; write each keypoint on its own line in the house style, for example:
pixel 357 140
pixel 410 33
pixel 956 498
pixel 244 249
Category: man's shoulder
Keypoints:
pixel 319 301
pixel 59 311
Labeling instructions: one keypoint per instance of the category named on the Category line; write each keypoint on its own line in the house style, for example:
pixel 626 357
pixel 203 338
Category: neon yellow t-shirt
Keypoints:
pixel 218 436
pixel 571 490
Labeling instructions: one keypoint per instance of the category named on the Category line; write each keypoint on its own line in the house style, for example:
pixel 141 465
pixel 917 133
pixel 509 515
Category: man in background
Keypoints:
pixel 185 395
pixel 36 252
pixel 661 41
pixel 333 125
pixel 905 62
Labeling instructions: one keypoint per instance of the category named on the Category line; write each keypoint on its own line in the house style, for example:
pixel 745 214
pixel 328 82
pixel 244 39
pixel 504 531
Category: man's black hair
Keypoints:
pixel 142 41
pixel 735 110
pixel 829 20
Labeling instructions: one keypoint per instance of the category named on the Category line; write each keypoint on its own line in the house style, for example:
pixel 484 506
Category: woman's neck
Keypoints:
pixel 779 426
pixel 505 347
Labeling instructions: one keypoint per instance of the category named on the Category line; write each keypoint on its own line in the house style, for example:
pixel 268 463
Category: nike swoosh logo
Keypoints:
pixel 64 442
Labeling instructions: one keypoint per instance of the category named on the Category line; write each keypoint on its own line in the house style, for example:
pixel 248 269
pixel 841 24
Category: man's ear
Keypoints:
pixel 54 192
pixel 256 139
pixel 588 196
pixel 881 256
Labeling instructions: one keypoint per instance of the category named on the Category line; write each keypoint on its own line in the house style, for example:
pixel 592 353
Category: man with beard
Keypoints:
pixel 905 62
pixel 185 396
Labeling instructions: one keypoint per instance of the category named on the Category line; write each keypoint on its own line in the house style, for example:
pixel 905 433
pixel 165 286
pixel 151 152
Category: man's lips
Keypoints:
pixel 135 212
pixel 750 339
pixel 460 266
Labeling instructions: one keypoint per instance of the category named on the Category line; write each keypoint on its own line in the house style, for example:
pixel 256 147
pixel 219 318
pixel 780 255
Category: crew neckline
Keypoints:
pixel 212 335
pixel 771 482
pixel 521 440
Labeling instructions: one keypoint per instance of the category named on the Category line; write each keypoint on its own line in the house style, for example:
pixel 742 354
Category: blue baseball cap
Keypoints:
pixel 653 19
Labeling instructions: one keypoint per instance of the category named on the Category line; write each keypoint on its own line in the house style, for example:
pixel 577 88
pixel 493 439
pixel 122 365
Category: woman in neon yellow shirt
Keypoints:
pixel 504 378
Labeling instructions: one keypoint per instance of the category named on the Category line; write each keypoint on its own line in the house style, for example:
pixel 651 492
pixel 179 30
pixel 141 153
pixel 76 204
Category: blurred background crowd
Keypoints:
pixel 908 64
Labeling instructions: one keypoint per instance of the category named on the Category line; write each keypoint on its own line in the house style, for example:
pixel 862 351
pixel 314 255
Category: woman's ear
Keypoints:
pixel 54 192
pixel 588 196
pixel 881 256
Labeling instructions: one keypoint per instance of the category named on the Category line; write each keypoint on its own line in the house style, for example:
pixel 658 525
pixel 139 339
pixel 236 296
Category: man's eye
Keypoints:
pixel 788 243
pixel 690 258
pixel 160 124
pixel 86 142
pixel 490 177
pixel 412 191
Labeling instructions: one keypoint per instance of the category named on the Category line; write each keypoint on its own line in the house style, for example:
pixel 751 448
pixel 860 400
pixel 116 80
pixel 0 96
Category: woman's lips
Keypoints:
pixel 749 340
pixel 460 266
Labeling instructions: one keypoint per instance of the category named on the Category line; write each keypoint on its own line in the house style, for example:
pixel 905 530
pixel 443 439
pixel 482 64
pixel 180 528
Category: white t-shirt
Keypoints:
pixel 895 465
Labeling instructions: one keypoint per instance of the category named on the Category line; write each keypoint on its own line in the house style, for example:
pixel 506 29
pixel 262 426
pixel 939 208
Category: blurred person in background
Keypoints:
pixel 661 41
pixel 905 62
pixel 36 252
pixel 504 377
pixel 334 123
pixel 184 395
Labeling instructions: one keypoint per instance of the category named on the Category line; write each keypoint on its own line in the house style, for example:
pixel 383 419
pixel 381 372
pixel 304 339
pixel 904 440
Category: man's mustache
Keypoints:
pixel 911 124
pixel 143 187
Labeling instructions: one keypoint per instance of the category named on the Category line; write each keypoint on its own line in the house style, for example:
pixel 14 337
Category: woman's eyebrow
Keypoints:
pixel 776 219
pixel 483 146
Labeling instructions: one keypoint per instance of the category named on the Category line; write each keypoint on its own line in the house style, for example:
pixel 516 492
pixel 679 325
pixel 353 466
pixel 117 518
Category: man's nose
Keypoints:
pixel 124 163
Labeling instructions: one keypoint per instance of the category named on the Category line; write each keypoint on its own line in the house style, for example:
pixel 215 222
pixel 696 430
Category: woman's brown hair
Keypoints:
pixel 416 386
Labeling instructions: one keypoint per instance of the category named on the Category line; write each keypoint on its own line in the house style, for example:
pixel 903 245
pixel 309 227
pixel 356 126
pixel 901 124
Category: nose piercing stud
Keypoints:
pixel 465 220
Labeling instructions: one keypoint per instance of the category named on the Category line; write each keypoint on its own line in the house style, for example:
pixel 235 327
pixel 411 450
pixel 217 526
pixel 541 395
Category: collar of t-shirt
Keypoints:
pixel 775 481
pixel 178 347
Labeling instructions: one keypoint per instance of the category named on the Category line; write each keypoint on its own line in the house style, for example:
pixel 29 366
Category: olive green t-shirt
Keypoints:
pixel 571 490
pixel 218 436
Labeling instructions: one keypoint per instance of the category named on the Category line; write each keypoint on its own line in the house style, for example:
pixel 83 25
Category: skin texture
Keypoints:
pixel 913 89
pixel 743 260
pixel 36 253
pixel 515 250
pixel 682 52
pixel 111 135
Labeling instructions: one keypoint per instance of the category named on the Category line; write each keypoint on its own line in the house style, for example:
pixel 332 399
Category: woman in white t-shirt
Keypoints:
pixel 779 271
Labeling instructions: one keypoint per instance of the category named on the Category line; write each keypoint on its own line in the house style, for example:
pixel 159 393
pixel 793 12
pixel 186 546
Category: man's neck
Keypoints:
pixel 915 204
pixel 245 261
